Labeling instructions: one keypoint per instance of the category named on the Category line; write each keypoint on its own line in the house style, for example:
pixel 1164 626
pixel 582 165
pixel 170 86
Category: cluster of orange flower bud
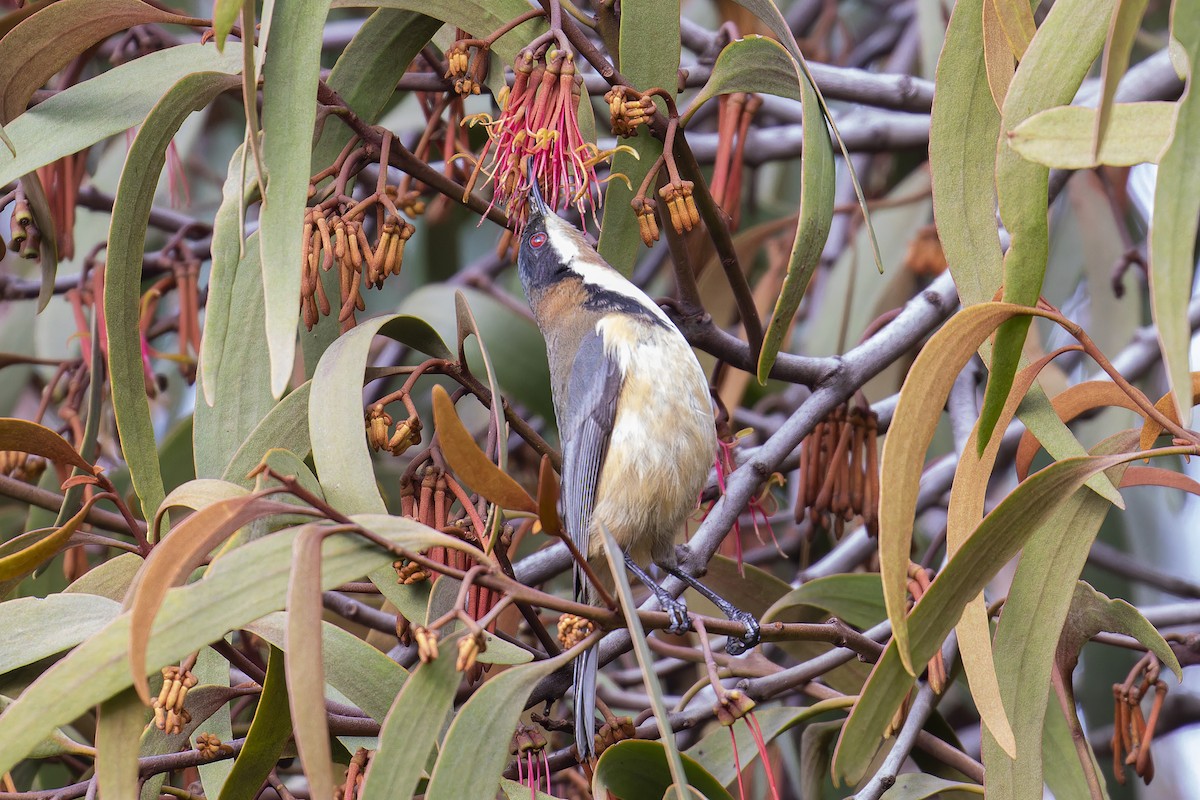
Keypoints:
pixel 467 65
pixel 839 471
pixel 628 109
pixel 379 436
pixel 211 746
pixel 732 706
pixel 678 196
pixel 339 239
pixel 614 730
pixel 427 643
pixel 22 466
pixel 1132 733
pixel 469 648
pixel 24 236
pixel 169 713
pixel 644 208
pixel 409 572
pixel 573 629
pixel 389 254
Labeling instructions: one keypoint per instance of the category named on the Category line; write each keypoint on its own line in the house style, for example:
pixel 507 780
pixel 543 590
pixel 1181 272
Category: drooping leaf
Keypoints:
pixel 998 57
pixel 854 598
pixel 26 560
pixel 1118 46
pixel 1173 225
pixel 469 462
pixel 1069 404
pixel 339 441
pixel 412 725
pixel 1166 404
pixel 284 427
pixel 1062 137
pixel 995 541
pixel 476 745
pixel 174 559
pixel 269 732
pixel 103 106
pixel 305 667
pixel 119 728
pixel 1048 75
pixel 289 113
pixel 41 45
pixel 122 276
pixel 37 627
pixel 1016 20
pixel 30 437
pixel 242 587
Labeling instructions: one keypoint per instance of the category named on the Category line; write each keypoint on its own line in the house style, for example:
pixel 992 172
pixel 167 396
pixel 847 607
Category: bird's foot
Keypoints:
pixel 748 640
pixel 677 612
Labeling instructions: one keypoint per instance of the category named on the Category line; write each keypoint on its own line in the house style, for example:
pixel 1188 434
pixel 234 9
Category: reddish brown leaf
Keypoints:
pixel 548 498
pixel 1166 404
pixel 1159 476
pixel 29 437
pixel 1069 404
pixel 469 462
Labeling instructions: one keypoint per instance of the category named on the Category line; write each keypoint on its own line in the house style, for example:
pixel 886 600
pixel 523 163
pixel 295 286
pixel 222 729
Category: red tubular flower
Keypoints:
pixel 539 121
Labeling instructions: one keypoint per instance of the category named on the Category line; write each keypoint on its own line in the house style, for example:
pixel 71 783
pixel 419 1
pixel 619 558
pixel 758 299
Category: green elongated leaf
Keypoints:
pixel 412 725
pixel 750 64
pixel 241 388
pixel 966 508
pixel 624 595
pixel 225 14
pixel 26 560
pixel 467 460
pixel 468 326
pixel 38 440
pixel 817 175
pixel 269 732
pixel 919 785
pixel 854 598
pixel 816 749
pixel 39 206
pixel 769 14
pixel 1039 597
pixel 1062 137
pixel 339 441
pixel 367 677
pixel 305 667
pixel 56 743
pixel 476 745
pixel 998 57
pixel 1118 46
pixel 962 145
pixel 174 559
pixel 1048 75
pixel 122 276
pixel 112 102
pixel 284 427
pixel 648 62
pixel 1064 773
pixel 1091 612
pixel 110 580
pixel 638 770
pixel 1173 226
pixel 997 539
pixel 118 732
pixel 1016 20
pixel 227 249
pixel 289 113
pixel 47 41
pixel 36 627
pixel 715 752
pixel 242 587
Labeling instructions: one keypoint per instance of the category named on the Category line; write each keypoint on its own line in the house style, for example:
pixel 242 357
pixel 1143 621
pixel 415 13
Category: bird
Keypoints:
pixel 635 421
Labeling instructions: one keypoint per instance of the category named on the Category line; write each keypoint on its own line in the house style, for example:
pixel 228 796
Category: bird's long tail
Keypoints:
pixel 586 667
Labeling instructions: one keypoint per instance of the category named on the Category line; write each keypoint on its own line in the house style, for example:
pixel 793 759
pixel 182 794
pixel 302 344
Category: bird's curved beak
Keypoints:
pixel 537 205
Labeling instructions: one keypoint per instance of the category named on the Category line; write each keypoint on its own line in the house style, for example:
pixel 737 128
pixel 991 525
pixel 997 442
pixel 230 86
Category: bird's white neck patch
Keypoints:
pixel 575 252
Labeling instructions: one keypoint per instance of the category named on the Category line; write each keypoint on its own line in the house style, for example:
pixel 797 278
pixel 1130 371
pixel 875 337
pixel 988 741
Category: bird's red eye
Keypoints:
pixel 537 240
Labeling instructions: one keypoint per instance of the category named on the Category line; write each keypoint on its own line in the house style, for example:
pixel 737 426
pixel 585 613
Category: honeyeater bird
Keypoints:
pixel 635 422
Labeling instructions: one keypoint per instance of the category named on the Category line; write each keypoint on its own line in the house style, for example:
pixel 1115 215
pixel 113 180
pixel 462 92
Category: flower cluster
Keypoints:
pixel 539 123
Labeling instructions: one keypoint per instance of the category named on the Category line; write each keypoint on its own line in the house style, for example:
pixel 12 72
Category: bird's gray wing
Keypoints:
pixel 591 408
